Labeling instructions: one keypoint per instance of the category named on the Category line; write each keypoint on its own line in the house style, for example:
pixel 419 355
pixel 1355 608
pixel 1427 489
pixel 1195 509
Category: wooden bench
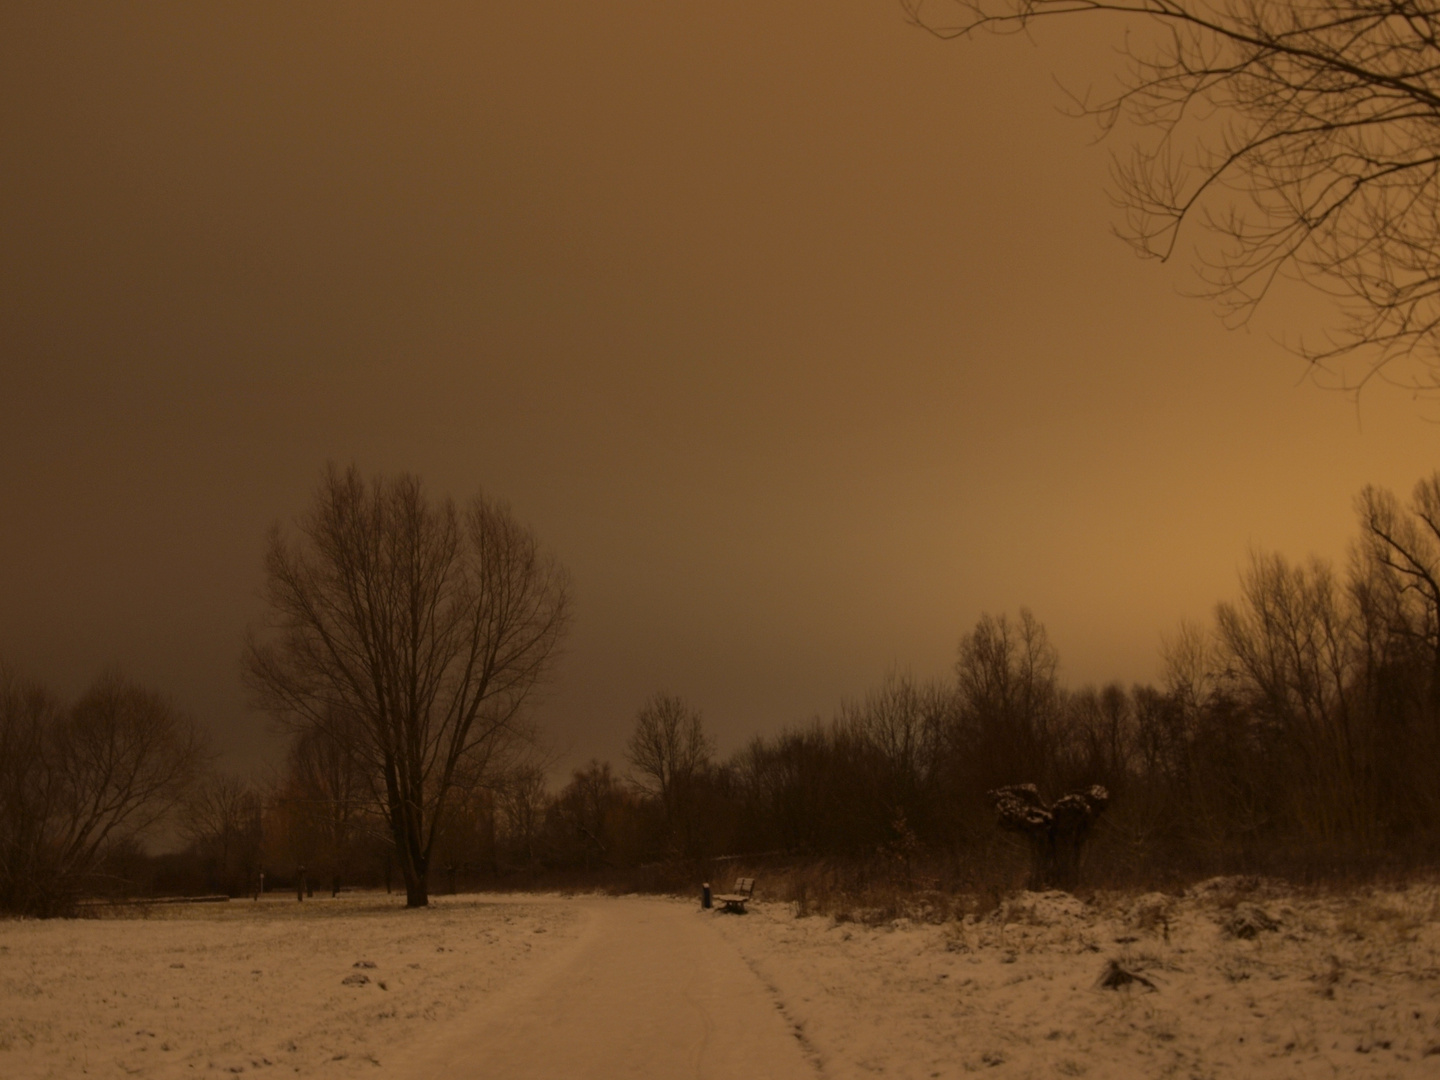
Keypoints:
pixel 744 889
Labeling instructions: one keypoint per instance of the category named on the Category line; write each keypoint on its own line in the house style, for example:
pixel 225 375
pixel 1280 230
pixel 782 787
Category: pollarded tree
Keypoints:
pixel 1290 137
pixel 1056 833
pixel 428 624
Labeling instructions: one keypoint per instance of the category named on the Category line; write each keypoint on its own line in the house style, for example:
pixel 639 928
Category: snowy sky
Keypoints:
pixel 798 335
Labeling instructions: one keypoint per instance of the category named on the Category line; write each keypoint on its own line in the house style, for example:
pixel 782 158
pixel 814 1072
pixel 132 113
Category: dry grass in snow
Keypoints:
pixel 324 988
pixel 1248 981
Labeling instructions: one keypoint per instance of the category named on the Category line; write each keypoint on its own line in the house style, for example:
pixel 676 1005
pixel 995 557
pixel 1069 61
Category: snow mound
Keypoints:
pixel 1049 908
pixel 1150 910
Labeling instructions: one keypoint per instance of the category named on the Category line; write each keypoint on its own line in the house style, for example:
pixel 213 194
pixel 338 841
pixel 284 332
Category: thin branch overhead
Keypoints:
pixel 1292 139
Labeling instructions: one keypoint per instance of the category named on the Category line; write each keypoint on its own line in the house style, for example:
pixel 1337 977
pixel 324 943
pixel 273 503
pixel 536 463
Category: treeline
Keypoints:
pixel 1297 733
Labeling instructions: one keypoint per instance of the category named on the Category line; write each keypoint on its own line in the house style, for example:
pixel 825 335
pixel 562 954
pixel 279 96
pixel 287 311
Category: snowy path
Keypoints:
pixel 649 989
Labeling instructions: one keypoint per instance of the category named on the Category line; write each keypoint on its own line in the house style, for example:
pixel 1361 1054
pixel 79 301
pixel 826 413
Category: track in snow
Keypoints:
pixel 648 990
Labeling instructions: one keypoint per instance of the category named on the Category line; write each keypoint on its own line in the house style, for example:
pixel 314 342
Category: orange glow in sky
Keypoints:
pixel 798 335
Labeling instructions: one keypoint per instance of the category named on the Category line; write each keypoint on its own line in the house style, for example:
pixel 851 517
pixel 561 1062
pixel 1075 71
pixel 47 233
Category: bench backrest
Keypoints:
pixel 745 885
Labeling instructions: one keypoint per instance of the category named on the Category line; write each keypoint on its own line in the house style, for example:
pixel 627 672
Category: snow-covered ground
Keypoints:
pixel 273 986
pixel 1343 985
pixel 1233 981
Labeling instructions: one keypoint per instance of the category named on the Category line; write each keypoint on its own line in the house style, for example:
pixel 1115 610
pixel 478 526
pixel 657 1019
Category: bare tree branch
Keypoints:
pixel 1292 139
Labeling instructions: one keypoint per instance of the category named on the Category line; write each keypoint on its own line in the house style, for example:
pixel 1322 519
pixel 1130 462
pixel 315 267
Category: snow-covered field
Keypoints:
pixel 221 989
pixel 1343 985
pixel 1233 980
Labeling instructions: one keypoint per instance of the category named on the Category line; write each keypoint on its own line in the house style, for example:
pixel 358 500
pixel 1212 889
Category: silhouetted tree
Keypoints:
pixel 466 842
pixel 1290 138
pixel 800 792
pixel 76 781
pixel 522 796
pixel 902 727
pixel 1289 656
pixel 1055 833
pixel 221 817
pixel 1100 733
pixel 669 753
pixel 1009 708
pixel 594 821
pixel 428 625
pixel 1400 546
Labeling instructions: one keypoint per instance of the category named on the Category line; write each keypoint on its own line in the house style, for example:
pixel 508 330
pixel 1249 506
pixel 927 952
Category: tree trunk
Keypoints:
pixel 416 869
pixel 408 846
pixel 415 872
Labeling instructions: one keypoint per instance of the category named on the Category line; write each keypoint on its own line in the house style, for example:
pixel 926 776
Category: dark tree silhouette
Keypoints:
pixel 668 752
pixel 222 818
pixel 1056 833
pixel 77 782
pixel 426 626
pixel 1290 137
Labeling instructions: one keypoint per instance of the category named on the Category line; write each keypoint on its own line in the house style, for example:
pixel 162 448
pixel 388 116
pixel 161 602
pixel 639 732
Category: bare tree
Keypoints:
pixel 28 791
pixel 1009 689
pixel 1290 654
pixel 668 750
pixel 1292 137
pixel 75 782
pixel 430 624
pixel 221 818
pixel 523 794
pixel 594 813
pixel 1401 546
pixel 904 726
pixel 1101 730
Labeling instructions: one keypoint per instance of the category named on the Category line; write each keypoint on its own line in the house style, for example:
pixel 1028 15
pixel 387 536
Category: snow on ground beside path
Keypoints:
pixel 1343 985
pixel 1248 982
pixel 225 988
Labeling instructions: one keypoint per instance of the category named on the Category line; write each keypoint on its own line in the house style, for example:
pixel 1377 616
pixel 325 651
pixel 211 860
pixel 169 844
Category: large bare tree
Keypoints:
pixel 1289 137
pixel 429 624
